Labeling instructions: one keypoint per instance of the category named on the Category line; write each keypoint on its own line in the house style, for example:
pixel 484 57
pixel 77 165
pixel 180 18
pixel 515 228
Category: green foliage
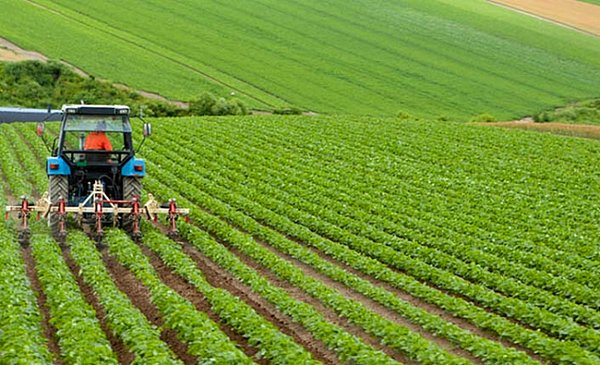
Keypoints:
pixel 431 57
pixel 21 338
pixel 402 115
pixel 483 118
pixel 123 318
pixel 273 345
pixel 208 104
pixel 80 336
pixel 459 217
pixel 388 256
pixel 204 337
pixel 37 84
pixel 584 112
pixel 287 111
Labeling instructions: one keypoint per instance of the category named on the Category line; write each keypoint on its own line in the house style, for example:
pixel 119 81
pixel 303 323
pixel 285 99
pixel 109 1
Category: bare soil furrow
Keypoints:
pixel 123 354
pixel 188 291
pixel 139 295
pixel 327 313
pixel 221 278
pixel 48 329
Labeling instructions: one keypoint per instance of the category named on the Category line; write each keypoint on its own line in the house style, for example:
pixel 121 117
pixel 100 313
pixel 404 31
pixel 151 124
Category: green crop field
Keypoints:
pixel 327 240
pixel 429 58
pixel 380 230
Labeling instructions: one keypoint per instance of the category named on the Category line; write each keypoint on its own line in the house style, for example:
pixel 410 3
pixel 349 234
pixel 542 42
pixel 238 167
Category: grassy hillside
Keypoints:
pixel 429 58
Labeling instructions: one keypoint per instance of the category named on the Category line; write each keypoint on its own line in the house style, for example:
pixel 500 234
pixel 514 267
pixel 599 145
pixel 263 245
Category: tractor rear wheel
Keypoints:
pixel 132 187
pixel 58 187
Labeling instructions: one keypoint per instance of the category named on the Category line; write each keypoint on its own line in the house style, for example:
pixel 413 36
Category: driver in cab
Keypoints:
pixel 97 140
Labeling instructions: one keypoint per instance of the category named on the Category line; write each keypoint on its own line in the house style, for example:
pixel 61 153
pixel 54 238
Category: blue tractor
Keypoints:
pixel 92 171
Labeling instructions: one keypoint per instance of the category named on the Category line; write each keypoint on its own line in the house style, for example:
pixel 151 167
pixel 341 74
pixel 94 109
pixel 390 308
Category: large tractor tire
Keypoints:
pixel 58 187
pixel 132 187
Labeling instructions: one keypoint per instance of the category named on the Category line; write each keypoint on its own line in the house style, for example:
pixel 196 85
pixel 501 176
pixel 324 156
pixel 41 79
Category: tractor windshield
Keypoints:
pixel 93 139
pixel 89 123
pixel 87 132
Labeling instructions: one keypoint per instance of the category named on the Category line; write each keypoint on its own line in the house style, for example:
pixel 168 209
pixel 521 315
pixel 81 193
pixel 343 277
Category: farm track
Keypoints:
pixel 573 14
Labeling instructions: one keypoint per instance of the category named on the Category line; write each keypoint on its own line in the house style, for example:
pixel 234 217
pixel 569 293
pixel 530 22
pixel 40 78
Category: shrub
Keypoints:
pixel 402 115
pixel 542 117
pixel 288 111
pixel 208 104
pixel 483 118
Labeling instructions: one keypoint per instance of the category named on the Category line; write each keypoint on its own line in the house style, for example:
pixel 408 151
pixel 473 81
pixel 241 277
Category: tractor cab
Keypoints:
pixel 95 144
pixel 95 136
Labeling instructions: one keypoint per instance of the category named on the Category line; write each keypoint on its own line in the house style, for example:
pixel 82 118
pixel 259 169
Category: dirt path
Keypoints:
pixel 582 16
pixel 13 53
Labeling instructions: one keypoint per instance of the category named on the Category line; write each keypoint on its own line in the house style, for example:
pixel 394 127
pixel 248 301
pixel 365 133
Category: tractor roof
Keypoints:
pixel 95 109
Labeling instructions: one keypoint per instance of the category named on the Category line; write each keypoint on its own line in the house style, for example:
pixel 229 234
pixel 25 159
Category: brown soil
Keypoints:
pixel 188 291
pixel 565 129
pixel 326 312
pixel 582 16
pixel 140 297
pixel 123 354
pixel 221 278
pixel 373 306
pixel 49 330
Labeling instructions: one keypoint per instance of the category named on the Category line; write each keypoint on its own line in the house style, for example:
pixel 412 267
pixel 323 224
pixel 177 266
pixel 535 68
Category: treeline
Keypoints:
pixel 34 84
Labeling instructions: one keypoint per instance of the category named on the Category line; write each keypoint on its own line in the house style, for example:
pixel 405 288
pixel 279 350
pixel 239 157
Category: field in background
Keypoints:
pixel 455 58
pixel 322 240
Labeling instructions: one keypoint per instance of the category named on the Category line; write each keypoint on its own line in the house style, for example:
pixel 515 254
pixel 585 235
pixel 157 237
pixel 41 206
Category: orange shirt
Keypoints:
pixel 97 141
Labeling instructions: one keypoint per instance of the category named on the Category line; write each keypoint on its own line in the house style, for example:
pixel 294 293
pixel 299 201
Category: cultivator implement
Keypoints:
pixel 96 211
